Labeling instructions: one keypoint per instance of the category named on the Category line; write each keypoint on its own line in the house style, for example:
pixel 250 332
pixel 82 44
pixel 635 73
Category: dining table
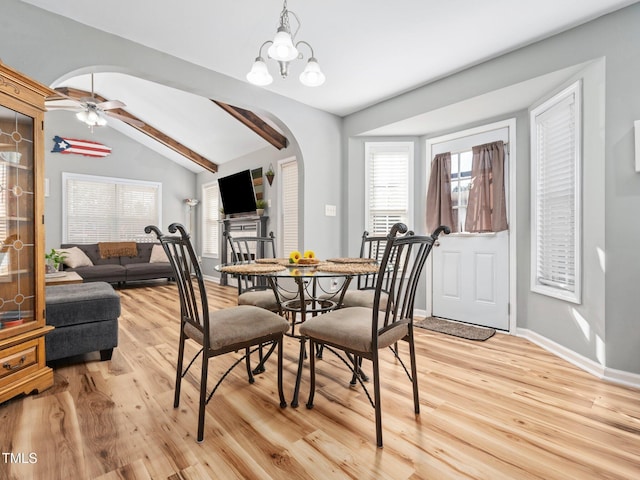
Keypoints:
pixel 303 289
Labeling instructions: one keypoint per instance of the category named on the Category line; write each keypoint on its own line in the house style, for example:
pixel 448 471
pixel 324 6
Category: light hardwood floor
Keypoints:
pixel 500 409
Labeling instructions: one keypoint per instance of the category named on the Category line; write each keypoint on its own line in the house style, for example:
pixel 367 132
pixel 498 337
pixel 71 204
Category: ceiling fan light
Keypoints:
pixel 82 116
pixel 101 121
pixel 282 48
pixel 259 74
pixel 92 117
pixel 312 76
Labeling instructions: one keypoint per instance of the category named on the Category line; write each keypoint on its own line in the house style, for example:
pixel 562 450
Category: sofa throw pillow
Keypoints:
pixel 158 255
pixel 74 257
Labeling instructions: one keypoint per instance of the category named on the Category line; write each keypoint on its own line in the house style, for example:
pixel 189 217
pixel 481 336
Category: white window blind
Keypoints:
pixel 102 209
pixel 210 227
pixel 289 205
pixel 387 185
pixel 556 190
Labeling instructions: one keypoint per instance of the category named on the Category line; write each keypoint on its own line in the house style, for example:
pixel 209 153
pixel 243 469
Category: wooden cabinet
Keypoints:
pixel 22 302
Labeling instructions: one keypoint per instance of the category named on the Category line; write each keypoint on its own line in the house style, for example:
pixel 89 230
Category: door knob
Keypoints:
pixel 437 244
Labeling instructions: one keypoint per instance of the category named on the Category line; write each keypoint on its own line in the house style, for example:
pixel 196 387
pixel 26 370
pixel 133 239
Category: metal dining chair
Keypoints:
pixel 361 332
pixel 254 290
pixel 372 247
pixel 218 332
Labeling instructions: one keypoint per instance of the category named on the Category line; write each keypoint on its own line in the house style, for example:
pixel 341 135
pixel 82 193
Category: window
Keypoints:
pixel 102 209
pixel 387 185
pixel 556 200
pixel 210 228
pixel 289 201
pixel 460 185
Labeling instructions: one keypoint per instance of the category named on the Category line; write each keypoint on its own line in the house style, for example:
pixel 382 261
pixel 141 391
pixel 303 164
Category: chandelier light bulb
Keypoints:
pixel 259 74
pixel 312 76
pixel 282 48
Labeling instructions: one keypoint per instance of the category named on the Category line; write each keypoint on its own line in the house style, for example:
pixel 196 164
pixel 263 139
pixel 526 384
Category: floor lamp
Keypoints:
pixel 191 202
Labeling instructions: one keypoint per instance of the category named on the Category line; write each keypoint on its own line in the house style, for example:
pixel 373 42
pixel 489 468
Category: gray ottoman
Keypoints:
pixel 85 317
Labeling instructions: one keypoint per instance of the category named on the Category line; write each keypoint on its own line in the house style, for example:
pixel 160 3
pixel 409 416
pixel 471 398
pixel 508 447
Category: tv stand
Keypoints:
pixel 248 224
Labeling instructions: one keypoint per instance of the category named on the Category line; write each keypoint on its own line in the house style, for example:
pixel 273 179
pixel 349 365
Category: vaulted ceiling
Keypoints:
pixel 370 50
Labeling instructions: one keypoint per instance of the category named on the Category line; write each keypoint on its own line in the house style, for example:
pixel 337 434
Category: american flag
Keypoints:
pixel 81 147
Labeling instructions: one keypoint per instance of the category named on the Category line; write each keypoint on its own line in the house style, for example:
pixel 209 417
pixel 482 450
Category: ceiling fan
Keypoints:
pixel 92 109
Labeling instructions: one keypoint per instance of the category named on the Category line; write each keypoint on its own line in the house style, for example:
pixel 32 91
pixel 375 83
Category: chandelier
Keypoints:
pixel 283 50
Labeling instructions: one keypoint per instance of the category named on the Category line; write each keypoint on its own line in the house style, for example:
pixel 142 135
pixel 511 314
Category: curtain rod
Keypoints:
pixel 455 152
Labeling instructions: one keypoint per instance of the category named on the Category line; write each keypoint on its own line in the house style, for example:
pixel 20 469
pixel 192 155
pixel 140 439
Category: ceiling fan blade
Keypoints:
pixel 51 108
pixel 62 103
pixel 128 120
pixel 108 105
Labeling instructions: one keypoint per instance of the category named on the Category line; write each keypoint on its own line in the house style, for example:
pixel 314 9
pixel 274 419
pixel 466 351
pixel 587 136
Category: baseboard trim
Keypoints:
pixel 621 377
pixel 609 374
pixel 420 313
pixel 212 279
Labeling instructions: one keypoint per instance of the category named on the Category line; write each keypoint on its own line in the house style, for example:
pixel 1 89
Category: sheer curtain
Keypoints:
pixel 439 211
pixel 486 211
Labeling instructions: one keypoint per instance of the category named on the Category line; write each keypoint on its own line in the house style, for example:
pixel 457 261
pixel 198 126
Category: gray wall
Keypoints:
pixel 128 159
pixel 611 187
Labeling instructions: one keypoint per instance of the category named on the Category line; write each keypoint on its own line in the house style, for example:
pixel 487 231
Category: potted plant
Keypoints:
pixel 54 260
pixel 270 174
pixel 260 206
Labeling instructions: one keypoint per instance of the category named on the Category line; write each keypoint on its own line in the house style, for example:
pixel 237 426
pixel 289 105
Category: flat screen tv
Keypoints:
pixel 236 191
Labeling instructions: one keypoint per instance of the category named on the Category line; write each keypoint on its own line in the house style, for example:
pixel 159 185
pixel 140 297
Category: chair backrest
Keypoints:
pixel 400 269
pixel 194 306
pixel 248 249
pixel 371 247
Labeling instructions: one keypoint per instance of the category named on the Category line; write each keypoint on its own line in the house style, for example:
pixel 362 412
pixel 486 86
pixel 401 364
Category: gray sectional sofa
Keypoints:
pixel 120 269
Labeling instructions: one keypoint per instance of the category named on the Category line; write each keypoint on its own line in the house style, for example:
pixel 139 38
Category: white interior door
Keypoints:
pixel 471 279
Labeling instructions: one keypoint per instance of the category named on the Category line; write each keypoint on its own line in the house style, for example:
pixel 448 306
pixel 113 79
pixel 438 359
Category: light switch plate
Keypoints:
pixel 330 210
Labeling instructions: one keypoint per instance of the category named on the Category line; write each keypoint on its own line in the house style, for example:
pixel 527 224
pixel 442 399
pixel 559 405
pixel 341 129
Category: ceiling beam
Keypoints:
pixel 255 123
pixel 152 132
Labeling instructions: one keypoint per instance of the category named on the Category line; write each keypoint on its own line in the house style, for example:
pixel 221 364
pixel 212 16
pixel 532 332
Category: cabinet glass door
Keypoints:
pixel 17 233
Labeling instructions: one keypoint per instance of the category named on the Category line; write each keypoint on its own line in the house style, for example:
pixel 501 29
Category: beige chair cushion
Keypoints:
pixel 259 298
pixel 236 325
pixel 363 298
pixel 350 328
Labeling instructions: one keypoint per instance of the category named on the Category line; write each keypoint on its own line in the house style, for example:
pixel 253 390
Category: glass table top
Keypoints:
pixel 281 270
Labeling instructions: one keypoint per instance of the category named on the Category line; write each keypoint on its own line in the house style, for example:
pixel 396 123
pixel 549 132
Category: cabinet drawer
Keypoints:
pixel 15 359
